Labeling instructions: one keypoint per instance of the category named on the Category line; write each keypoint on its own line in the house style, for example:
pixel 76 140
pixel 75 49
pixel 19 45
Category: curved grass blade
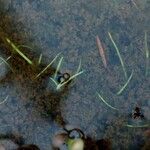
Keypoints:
pixel 18 51
pixel 47 66
pixel 125 85
pixel 118 53
pixel 5 61
pixel 146 53
pixel 4 100
pixel 54 81
pixel 25 46
pixel 40 58
pixel 138 126
pixel 58 66
pixel 71 78
pixel 106 102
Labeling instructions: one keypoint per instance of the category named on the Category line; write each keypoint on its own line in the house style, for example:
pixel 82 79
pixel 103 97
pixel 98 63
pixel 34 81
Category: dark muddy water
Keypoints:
pixel 35 109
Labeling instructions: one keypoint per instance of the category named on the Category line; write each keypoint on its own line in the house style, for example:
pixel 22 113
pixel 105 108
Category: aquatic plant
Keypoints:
pixel 47 66
pixel 125 85
pixel 15 48
pixel 119 55
pixel 103 100
pixel 59 85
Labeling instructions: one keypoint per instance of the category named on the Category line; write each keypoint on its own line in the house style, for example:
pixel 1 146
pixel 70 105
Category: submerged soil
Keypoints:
pixel 35 109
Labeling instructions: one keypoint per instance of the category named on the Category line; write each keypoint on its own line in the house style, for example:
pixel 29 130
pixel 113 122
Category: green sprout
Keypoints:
pixel 48 66
pixel 103 100
pixel 125 85
pixel 119 55
pixel 5 61
pixel 18 51
pixel 4 100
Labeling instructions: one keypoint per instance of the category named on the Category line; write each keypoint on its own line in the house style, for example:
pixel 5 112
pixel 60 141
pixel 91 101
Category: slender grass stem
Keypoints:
pixel 147 54
pixel 125 85
pixel 138 126
pixel 4 100
pixel 58 66
pixel 119 55
pixel 40 59
pixel 25 46
pixel 47 66
pixel 103 100
pixel 18 51
pixel 54 81
pixel 5 61
pixel 71 78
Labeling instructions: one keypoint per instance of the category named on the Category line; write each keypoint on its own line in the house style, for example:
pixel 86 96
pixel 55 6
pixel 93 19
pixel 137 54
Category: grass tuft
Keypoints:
pixel 47 66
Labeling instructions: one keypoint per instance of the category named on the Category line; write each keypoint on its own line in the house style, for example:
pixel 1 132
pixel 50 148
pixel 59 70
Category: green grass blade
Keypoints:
pixel 25 46
pixel 58 66
pixel 71 78
pixel 138 126
pixel 118 53
pixel 47 66
pixel 18 51
pixel 106 102
pixel 6 63
pixel 40 58
pixel 4 100
pixel 125 85
pixel 54 81
pixel 146 53
pixel 6 60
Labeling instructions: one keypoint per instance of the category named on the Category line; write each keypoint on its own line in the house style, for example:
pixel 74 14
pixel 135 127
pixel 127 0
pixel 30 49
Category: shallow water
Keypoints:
pixel 71 27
